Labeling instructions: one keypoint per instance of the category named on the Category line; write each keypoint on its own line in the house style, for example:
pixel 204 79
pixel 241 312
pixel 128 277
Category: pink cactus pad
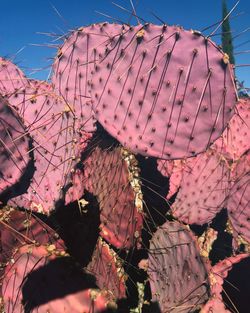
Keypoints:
pixel 217 276
pixel 39 278
pixel 239 200
pixel 51 123
pixel 177 273
pixel 174 170
pixel 112 176
pixel 14 147
pixel 234 141
pixel 203 189
pixel 73 65
pixel 11 77
pixel 107 267
pixel 18 228
pixel 157 100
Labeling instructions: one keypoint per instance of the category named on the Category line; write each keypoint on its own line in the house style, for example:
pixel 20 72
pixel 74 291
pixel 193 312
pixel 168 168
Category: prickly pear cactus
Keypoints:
pixel 234 141
pixel 50 121
pixel 41 278
pixel 107 267
pixel 74 63
pixel 157 101
pixel 113 176
pixel 238 201
pixel 73 153
pixel 203 189
pixel 218 274
pixel 11 77
pixel 178 275
pixel 14 148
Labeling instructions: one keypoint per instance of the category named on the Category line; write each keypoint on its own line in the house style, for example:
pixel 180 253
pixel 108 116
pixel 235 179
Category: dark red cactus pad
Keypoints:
pixel 40 278
pixel 217 276
pixel 11 77
pixel 112 176
pixel 177 273
pixel 107 267
pixel 157 100
pixel 203 189
pixel 51 123
pixel 14 147
pixel 238 204
pixel 74 63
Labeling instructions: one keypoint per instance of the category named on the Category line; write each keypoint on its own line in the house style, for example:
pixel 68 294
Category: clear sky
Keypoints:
pixel 22 20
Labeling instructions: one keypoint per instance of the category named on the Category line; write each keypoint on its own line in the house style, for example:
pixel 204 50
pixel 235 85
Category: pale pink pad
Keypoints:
pixel 178 275
pixel 14 147
pixel 51 124
pixel 107 267
pixel 107 177
pixel 203 189
pixel 156 99
pixel 11 77
pixel 74 63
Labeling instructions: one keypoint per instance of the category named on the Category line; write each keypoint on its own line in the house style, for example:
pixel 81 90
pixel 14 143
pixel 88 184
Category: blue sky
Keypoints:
pixel 22 20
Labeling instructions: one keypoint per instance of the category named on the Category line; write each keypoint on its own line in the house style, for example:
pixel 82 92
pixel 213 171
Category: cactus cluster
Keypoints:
pixel 82 228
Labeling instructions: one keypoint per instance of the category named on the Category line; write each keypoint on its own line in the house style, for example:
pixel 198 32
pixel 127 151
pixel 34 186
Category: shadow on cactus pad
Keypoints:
pixel 78 228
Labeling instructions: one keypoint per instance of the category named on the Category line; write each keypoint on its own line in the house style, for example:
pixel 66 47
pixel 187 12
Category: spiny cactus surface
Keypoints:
pixel 177 273
pixel 14 147
pixel 50 122
pixel 112 176
pixel 11 77
pixel 158 101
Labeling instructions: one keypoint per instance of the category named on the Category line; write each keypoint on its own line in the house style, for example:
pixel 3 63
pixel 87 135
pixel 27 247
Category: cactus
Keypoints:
pixel 174 170
pixel 74 63
pixel 238 201
pixel 112 176
pixel 11 77
pixel 217 276
pixel 21 227
pixel 144 85
pixel 14 149
pixel 107 267
pixel 42 278
pixel 51 124
pixel 234 141
pixel 121 100
pixel 203 189
pixel 178 275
